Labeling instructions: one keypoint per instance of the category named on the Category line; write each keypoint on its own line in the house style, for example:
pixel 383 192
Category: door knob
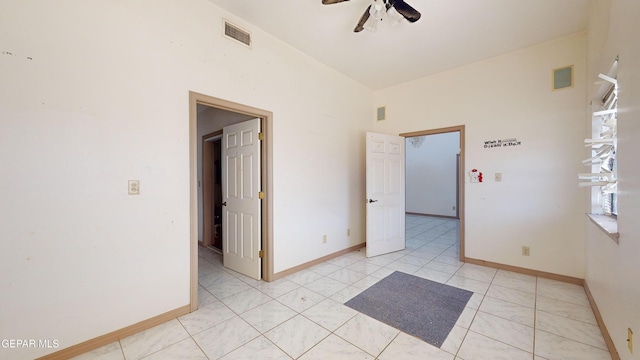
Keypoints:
pixel 372 201
pixel 224 203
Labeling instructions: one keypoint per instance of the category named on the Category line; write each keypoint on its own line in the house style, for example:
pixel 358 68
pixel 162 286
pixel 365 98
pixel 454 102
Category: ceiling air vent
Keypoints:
pixel 232 31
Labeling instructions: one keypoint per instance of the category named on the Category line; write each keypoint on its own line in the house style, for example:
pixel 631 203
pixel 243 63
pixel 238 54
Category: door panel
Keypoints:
pixel 241 214
pixel 385 194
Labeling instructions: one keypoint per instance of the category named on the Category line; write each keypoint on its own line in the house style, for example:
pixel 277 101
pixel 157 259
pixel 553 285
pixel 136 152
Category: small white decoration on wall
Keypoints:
pixel 489 144
pixel 475 175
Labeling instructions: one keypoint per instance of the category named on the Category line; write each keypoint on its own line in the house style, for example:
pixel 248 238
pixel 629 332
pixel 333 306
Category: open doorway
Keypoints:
pixel 454 137
pixel 208 116
pixel 211 185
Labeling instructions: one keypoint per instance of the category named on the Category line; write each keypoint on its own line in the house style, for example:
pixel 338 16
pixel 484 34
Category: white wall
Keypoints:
pixel 431 174
pixel 499 98
pixel 612 270
pixel 95 93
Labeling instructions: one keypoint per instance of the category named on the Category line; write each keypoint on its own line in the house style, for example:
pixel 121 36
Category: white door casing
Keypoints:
pixel 385 190
pixel 241 211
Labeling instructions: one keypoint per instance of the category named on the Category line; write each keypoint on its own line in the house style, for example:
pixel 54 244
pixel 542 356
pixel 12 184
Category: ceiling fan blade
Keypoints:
pixel 327 2
pixel 363 20
pixel 406 10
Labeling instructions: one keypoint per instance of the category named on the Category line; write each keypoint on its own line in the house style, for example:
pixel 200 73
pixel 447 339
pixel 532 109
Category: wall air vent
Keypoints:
pixel 234 32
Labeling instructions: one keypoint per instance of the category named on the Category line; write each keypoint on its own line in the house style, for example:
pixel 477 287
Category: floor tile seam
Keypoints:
pixel 502 275
pixel 565 301
pixel 504 318
pixel 276 297
pixel 358 347
pixel 165 347
pixel 238 347
pixel 468 329
pixel 249 309
pixel 300 312
pixel 434 260
pixel 502 342
pixel 514 289
pixel 276 345
pixel 212 326
pixel 569 318
pixel 121 348
pixel 511 302
pixel 574 340
pixel 389 344
pixel 474 279
pixel 329 330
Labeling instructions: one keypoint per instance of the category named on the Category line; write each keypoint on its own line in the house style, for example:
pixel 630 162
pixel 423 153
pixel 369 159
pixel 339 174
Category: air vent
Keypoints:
pixel 232 31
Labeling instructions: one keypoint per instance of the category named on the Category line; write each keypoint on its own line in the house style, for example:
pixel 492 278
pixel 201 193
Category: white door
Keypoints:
pixel 241 218
pixel 385 194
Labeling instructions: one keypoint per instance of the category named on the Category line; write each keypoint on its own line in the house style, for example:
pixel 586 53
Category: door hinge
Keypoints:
pixel 260 136
pixel 261 254
pixel 261 195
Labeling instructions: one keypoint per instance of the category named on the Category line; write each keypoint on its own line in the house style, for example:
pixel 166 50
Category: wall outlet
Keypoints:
pixel 348 232
pixel 526 251
pixel 134 187
pixel 498 177
pixel 324 239
pixel 630 340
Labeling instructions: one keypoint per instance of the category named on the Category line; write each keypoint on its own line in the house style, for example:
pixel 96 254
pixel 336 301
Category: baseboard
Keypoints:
pixel 521 270
pixel 603 328
pixel 432 215
pixel 107 339
pixel 309 264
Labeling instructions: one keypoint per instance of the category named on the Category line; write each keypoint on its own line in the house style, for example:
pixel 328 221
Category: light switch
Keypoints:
pixel 498 177
pixel 134 187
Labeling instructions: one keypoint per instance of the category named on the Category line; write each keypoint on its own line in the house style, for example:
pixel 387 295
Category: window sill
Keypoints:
pixel 607 224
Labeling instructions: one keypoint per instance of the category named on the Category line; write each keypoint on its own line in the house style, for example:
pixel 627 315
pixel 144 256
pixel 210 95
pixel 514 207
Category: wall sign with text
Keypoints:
pixel 490 144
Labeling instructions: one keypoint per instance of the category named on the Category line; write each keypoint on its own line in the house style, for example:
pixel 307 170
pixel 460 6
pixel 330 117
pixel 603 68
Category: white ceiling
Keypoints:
pixel 450 33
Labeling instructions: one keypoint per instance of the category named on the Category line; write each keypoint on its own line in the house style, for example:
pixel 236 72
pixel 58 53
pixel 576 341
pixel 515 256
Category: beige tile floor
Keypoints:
pixel 510 316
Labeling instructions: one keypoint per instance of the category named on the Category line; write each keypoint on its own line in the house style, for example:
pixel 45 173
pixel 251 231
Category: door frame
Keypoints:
pixel 461 172
pixel 266 177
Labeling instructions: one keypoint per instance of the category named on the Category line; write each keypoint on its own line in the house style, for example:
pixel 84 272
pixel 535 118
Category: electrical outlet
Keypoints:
pixel 630 340
pixel 526 251
pixel 348 232
pixel 498 177
pixel 324 239
pixel 134 187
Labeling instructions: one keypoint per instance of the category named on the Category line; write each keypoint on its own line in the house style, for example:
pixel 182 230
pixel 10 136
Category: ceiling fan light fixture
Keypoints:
pixel 371 24
pixel 393 17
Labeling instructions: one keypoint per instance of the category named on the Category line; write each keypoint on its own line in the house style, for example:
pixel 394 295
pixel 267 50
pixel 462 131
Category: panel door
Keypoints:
pixel 385 190
pixel 241 210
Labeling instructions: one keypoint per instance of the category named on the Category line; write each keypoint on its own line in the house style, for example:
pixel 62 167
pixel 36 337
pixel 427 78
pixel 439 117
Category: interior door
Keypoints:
pixel 241 217
pixel 385 193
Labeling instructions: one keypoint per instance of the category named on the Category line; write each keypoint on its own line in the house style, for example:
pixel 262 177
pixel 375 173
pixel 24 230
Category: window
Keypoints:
pixel 603 175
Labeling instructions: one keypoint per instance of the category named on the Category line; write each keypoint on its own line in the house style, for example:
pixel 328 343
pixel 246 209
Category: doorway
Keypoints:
pixel 459 186
pixel 212 191
pixel 233 113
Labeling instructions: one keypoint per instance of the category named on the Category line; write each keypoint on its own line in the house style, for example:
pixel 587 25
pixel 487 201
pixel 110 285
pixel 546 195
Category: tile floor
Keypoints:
pixel 510 316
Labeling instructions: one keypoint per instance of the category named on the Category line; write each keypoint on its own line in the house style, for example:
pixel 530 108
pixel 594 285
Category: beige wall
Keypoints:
pixel 96 93
pixel 538 203
pixel 612 270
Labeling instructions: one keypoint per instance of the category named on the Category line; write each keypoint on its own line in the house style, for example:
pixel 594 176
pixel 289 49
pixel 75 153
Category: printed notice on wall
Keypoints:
pixel 490 144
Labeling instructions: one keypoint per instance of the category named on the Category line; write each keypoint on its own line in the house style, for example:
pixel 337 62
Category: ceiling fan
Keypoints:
pixel 392 10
